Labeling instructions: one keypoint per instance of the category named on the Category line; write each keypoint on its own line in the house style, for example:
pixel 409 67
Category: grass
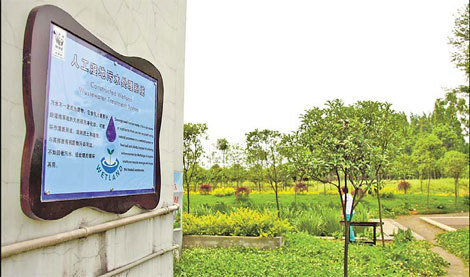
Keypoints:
pixel 442 187
pixel 304 255
pixel 317 214
pixel 392 204
pixel 456 242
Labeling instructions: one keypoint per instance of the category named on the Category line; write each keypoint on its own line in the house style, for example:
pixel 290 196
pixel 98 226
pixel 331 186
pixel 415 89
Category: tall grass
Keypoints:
pixel 315 218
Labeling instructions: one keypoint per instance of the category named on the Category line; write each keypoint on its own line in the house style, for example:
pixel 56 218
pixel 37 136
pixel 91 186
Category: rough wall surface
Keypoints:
pixel 151 29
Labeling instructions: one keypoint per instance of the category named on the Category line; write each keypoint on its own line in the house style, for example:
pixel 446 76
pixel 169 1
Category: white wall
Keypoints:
pixel 153 30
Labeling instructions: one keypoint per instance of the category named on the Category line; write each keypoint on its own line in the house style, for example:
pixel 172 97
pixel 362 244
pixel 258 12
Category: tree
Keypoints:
pixel 427 151
pixel 403 167
pixel 296 154
pixel 450 140
pixel 297 157
pixel 453 164
pixel 198 175
pixel 382 128
pixel 223 146
pixel 338 144
pixel 446 124
pixel 236 156
pixel 256 174
pixel 192 149
pixel 459 41
pixel 263 147
pixel 420 124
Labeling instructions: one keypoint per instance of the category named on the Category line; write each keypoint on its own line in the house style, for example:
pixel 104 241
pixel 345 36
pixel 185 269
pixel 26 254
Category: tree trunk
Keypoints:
pixel 187 188
pixel 429 183
pixel 324 188
pixel 380 212
pixel 277 202
pixel 346 233
pixel 346 246
pixel 456 191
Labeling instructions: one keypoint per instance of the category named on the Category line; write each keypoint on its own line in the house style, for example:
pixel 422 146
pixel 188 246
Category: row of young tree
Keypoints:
pixel 419 147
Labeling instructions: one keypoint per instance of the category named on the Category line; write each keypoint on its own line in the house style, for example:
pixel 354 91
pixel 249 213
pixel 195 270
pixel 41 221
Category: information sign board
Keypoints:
pixel 100 117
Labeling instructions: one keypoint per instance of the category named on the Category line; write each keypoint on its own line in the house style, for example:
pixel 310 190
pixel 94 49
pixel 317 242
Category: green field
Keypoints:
pixel 317 214
pixel 304 255
pixel 392 204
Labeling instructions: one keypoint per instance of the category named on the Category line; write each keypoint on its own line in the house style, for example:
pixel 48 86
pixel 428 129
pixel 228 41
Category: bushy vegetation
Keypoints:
pixel 319 217
pixel 300 187
pixel 304 255
pixel 222 192
pixel 404 185
pixel 398 204
pixel 241 222
pixel 318 214
pixel 205 188
pixel 242 192
pixel 456 242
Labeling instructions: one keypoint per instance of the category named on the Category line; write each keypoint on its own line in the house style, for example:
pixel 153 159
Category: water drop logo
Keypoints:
pixel 109 167
pixel 111 131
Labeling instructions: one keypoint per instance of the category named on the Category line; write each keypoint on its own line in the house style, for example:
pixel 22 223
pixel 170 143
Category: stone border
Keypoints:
pixel 231 241
pixel 437 224
pixel 403 228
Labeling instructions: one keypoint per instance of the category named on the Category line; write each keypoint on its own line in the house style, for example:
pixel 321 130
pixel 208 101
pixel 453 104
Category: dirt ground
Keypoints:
pixel 429 232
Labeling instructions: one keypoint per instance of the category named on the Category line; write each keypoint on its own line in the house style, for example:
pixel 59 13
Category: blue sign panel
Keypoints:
pixel 100 124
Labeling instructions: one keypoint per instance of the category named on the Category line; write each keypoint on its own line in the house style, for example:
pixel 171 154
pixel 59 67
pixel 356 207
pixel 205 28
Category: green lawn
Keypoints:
pixel 398 204
pixel 304 255
pixel 457 243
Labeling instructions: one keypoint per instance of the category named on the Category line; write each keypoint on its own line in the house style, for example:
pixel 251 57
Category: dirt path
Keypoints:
pixel 429 232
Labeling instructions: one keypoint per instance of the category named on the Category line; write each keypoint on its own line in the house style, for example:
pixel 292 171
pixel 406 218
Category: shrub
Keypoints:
pixel 300 187
pixel 466 199
pixel 222 192
pixel 404 185
pixel 387 195
pixel 205 188
pixel 456 242
pixel 242 192
pixel 403 236
pixel 220 207
pixel 311 223
pixel 241 222
pixel 203 209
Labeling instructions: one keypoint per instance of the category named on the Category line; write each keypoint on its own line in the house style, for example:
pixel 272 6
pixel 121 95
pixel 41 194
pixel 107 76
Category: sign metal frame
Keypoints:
pixel 35 68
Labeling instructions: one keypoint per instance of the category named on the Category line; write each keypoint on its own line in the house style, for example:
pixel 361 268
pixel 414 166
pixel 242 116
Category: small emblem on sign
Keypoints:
pixel 110 169
pixel 58 42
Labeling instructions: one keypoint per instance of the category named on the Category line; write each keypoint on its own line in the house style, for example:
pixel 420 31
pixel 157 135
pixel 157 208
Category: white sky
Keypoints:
pixel 260 63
